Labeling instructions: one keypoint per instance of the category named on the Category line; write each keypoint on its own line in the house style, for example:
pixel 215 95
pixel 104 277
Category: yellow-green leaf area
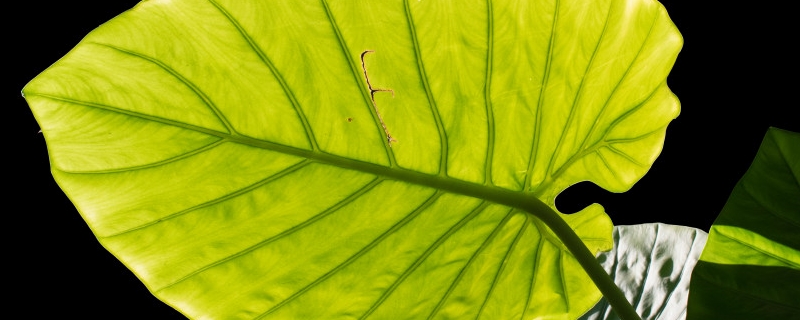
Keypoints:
pixel 331 159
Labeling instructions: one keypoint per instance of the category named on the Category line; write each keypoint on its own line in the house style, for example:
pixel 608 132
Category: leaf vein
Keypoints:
pixel 133 114
pixel 764 252
pixel 502 268
pixel 619 82
pixel 624 155
pixel 630 112
pixel 563 279
pixel 601 141
pixel 297 166
pixel 605 163
pixel 536 258
pixel 423 257
pixel 196 90
pixel 472 258
pixel 431 100
pixel 363 190
pixel 578 92
pixel 488 94
pixel 154 164
pixel 537 126
pixel 265 59
pixel 357 255
pixel 597 146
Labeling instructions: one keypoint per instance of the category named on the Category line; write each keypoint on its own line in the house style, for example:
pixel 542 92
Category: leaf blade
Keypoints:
pixel 275 102
pixel 753 256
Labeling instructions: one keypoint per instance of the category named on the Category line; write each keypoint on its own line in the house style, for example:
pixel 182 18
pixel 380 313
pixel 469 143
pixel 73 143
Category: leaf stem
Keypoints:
pixel 587 260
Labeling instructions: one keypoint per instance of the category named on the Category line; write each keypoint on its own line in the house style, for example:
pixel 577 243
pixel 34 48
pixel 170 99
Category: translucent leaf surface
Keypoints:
pixel 651 263
pixel 750 268
pixel 324 159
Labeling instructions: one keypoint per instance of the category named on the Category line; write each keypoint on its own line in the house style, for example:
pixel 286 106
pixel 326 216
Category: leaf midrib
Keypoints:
pixel 525 201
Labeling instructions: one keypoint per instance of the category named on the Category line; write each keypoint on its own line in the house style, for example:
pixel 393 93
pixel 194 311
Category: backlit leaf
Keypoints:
pixel 329 159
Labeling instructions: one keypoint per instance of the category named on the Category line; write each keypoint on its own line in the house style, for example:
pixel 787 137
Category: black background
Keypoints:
pixel 734 78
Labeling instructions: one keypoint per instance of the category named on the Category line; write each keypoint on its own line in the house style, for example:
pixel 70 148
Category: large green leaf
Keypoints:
pixel 245 159
pixel 750 268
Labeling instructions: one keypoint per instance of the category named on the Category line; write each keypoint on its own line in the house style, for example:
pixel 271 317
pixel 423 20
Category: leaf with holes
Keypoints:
pixel 319 160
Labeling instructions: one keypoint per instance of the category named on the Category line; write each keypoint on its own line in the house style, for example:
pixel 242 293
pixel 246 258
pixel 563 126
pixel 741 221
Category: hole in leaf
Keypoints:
pixel 581 195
